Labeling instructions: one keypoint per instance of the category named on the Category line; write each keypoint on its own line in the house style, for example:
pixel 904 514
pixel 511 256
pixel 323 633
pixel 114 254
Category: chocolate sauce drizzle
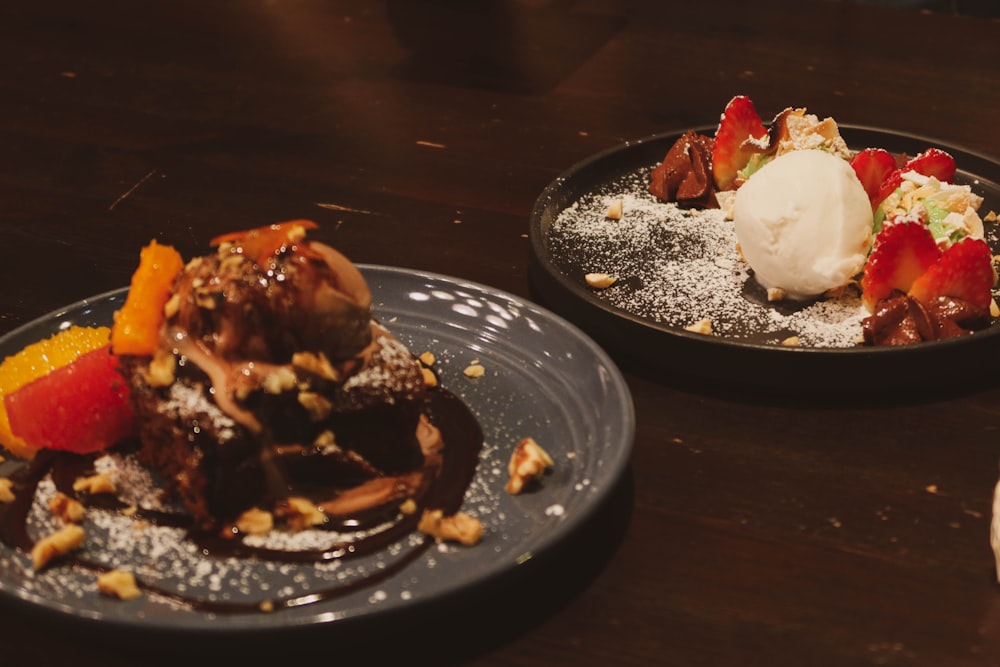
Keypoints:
pixel 463 441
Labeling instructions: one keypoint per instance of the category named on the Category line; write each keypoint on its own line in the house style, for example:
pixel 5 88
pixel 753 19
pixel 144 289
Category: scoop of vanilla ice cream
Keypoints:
pixel 804 223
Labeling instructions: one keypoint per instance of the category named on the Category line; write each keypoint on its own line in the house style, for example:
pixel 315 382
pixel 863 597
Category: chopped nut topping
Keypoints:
pixel 991 216
pixel 791 341
pixel 100 483
pixel 317 364
pixel 57 544
pixel 528 462
pixel 6 490
pixel 429 378
pixel 172 306
pixel 474 370
pixel 266 606
pixel 615 210
pixel 701 326
pixel 409 506
pixel 776 294
pixel 161 369
pixel 427 359
pixel 255 521
pixel 458 527
pixel 300 513
pixel 66 508
pixel 317 405
pixel 599 280
pixel 994 308
pixel 279 380
pixel 119 584
pixel 327 440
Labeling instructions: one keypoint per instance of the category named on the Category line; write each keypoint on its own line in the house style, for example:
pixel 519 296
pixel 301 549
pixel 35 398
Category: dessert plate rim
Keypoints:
pixel 730 362
pixel 398 294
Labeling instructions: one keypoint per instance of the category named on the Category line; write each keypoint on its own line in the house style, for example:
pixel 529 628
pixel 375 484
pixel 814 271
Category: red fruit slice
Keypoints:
pixel 901 253
pixel 932 162
pixel 872 166
pixel 81 407
pixel 740 134
pixel 964 271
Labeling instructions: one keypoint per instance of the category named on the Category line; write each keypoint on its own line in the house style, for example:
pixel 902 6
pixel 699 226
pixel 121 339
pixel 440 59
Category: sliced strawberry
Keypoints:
pixel 872 166
pixel 932 162
pixel 81 407
pixel 964 271
pixel 901 253
pixel 740 134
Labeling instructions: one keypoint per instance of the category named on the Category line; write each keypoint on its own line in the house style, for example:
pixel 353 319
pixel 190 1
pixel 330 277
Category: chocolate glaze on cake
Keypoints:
pixel 272 380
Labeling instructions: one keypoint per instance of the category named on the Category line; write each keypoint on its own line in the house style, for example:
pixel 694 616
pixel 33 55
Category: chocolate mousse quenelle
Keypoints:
pixel 817 220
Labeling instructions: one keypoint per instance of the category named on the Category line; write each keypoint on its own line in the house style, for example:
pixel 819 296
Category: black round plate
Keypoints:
pixel 558 280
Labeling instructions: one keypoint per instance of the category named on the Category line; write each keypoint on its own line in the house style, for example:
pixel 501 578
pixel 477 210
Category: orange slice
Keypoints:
pixel 38 360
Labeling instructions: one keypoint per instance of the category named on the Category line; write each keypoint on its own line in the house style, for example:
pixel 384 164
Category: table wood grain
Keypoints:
pixel 749 530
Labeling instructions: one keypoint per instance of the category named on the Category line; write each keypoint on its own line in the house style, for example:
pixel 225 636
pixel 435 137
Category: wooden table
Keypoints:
pixel 749 530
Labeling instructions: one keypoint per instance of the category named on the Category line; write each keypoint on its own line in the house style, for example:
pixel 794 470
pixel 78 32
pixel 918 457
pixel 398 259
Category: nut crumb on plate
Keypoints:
pixel 615 210
pixel 528 463
pixel 68 509
pixel 703 326
pixel 599 280
pixel 118 583
pixel 100 483
pixel 54 545
pixel 474 370
pixel 458 527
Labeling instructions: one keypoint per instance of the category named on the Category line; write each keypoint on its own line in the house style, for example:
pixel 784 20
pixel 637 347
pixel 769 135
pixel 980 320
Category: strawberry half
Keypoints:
pixel 872 166
pixel 740 134
pixel 901 253
pixel 932 162
pixel 964 271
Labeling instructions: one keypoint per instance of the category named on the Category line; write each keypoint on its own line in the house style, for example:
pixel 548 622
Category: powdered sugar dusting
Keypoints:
pixel 676 266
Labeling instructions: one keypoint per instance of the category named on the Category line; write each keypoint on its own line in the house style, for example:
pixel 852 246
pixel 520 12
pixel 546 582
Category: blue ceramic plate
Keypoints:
pixel 544 379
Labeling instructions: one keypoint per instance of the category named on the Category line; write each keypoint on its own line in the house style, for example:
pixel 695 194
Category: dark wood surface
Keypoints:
pixel 749 530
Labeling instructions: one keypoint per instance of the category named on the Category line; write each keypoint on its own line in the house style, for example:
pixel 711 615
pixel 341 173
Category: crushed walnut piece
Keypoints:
pixel 474 370
pixel 161 369
pixel 317 364
pixel 427 359
pixel 600 280
pixel 791 341
pixel 6 490
pixel 615 209
pixel 317 405
pixel 118 583
pixel 59 543
pixel 776 294
pixel 408 507
pixel 255 521
pixel 68 509
pixel 528 462
pixel 299 513
pixel 430 379
pixel 703 326
pixel 275 382
pixel 458 527
pixel 99 483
